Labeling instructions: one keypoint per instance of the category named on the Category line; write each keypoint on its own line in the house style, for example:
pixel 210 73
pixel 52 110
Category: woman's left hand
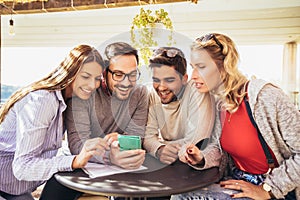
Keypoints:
pixel 190 154
pixel 247 189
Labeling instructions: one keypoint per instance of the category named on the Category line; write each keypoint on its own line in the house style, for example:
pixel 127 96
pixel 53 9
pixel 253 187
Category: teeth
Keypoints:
pixel 165 93
pixel 123 89
pixel 87 91
pixel 198 84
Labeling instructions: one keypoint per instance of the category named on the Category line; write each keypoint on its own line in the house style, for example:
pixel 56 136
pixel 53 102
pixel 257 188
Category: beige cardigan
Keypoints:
pixel 279 122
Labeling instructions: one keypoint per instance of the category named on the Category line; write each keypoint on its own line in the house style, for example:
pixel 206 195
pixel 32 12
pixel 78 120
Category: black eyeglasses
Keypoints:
pixel 120 76
pixel 171 53
pixel 208 37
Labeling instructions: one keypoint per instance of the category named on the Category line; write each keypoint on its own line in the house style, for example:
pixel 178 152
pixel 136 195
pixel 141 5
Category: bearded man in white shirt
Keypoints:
pixel 178 114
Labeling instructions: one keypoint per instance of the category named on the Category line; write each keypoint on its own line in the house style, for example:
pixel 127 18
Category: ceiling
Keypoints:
pixel 247 22
pixel 41 6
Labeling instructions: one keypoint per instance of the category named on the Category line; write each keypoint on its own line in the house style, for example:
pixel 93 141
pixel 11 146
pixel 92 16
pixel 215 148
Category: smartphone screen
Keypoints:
pixel 129 142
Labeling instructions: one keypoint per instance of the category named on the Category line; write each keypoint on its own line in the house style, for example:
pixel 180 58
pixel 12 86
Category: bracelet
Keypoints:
pixel 267 188
pixel 271 195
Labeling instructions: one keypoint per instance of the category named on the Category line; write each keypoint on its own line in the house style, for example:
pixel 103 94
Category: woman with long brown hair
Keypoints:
pixel 31 129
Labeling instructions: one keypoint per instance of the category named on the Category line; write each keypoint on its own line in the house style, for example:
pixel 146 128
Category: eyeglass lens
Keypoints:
pixel 120 76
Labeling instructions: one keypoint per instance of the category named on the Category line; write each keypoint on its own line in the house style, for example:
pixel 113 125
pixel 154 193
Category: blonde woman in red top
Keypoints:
pixel 245 108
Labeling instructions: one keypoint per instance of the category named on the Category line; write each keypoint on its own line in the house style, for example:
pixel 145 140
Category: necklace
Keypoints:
pixel 229 117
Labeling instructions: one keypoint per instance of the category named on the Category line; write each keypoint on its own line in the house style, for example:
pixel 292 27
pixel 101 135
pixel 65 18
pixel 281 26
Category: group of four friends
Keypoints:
pixel 95 99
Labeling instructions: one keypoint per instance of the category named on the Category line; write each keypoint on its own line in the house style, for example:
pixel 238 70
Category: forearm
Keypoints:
pixel 283 140
pixel 285 178
pixel 75 143
pixel 38 168
pixel 212 153
pixel 151 144
pixel 211 158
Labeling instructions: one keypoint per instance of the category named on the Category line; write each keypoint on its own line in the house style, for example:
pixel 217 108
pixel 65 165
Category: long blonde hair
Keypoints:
pixel 226 58
pixel 58 79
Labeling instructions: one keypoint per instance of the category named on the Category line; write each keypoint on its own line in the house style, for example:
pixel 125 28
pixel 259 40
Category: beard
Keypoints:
pixel 122 92
pixel 166 96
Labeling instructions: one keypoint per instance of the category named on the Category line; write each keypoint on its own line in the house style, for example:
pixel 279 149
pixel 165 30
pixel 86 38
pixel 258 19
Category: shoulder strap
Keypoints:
pixel 264 145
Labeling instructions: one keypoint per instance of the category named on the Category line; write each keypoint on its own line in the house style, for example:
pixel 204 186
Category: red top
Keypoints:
pixel 240 139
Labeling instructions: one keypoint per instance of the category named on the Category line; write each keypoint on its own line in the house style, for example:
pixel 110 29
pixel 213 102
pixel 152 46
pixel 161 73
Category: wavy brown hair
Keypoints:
pixel 58 79
pixel 226 58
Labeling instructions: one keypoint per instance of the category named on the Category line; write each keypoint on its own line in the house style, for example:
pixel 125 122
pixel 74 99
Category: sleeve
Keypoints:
pixel 33 161
pixel 77 120
pixel 285 128
pixel 137 124
pixel 213 154
pixel 201 117
pixel 151 140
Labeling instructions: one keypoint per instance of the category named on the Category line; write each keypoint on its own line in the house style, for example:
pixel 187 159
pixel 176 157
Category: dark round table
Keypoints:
pixel 157 180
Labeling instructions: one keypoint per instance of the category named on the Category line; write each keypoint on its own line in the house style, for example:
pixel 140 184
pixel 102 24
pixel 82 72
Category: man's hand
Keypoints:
pixel 92 147
pixel 111 137
pixel 168 153
pixel 130 159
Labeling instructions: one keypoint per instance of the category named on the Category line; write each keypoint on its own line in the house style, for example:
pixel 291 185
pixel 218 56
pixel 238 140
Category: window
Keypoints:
pixel 24 65
pixel 262 61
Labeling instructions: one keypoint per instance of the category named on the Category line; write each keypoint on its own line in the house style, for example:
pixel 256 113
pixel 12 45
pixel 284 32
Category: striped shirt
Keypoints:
pixel 30 136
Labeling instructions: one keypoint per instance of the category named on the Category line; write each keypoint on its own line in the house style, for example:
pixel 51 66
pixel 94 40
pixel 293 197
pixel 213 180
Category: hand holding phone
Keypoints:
pixel 129 142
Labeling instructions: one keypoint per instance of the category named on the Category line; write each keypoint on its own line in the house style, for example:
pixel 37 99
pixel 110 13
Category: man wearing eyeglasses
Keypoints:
pixel 178 114
pixel 119 106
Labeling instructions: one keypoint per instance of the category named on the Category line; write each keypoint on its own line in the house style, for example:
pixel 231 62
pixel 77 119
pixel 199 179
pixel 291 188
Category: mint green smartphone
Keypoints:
pixel 129 142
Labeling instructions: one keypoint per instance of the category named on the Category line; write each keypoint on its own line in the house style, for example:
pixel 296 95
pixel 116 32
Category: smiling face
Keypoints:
pixel 124 64
pixel 87 80
pixel 167 83
pixel 206 75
